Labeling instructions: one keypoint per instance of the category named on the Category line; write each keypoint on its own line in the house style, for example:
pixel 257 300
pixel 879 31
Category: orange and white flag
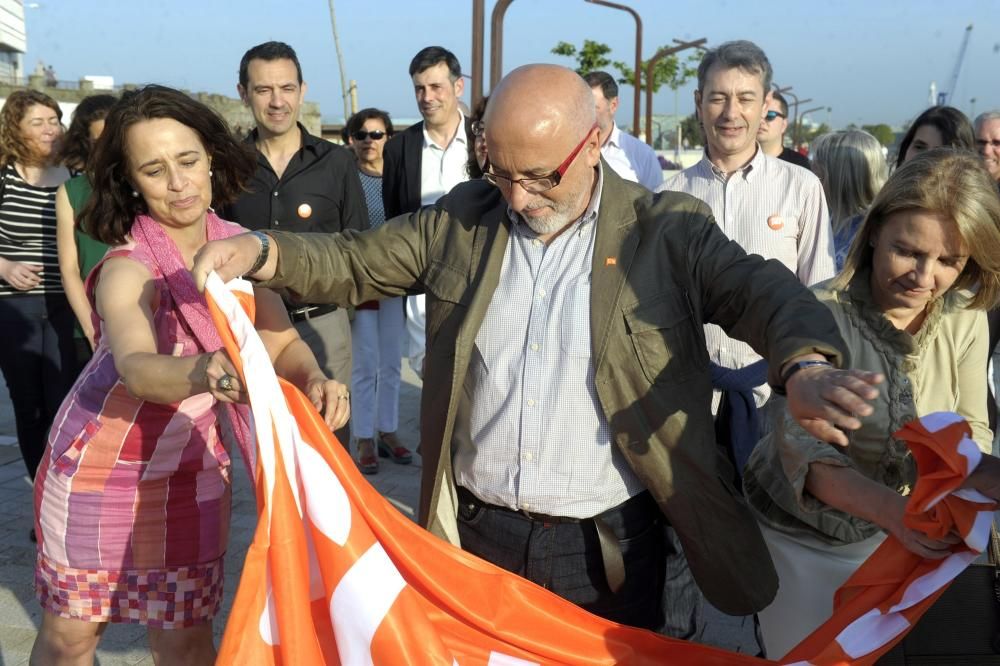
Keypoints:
pixel 889 592
pixel 336 575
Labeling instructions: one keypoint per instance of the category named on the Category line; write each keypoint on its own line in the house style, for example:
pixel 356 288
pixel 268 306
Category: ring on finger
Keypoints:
pixel 226 382
pixel 346 396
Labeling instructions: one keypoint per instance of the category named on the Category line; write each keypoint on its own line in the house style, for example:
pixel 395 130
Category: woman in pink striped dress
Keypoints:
pixel 132 498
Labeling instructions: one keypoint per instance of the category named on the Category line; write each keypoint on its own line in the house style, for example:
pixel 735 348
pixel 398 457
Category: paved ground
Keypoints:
pixel 124 645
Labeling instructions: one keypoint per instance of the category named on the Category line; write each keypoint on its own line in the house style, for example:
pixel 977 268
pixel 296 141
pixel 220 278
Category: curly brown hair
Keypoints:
pixel 13 147
pixel 109 213
pixel 76 143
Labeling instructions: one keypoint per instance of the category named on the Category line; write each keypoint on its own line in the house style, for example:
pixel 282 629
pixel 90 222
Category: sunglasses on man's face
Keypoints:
pixel 771 115
pixel 361 135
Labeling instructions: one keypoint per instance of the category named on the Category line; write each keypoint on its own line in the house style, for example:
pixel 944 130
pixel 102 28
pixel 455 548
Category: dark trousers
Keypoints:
pixel 38 361
pixel 565 558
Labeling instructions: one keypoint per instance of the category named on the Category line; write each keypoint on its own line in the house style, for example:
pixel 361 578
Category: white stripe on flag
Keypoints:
pixel 361 601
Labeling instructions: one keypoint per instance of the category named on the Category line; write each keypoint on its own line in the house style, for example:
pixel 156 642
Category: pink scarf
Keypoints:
pixel 193 308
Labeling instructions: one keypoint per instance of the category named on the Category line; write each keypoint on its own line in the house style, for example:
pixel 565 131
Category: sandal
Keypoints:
pixel 390 447
pixel 367 461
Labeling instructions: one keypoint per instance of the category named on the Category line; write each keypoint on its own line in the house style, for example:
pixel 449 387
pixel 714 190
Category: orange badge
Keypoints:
pixel 305 210
pixel 775 222
pixel 611 261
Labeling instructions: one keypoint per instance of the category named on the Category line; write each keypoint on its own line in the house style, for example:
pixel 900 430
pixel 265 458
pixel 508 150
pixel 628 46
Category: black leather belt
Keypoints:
pixel 634 508
pixel 310 312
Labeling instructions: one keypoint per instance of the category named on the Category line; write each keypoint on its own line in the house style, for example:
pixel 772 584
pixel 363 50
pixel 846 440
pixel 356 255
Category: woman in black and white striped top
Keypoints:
pixel 37 355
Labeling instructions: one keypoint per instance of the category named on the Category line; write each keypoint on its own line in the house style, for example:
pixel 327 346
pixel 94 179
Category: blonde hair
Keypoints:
pixel 852 167
pixel 955 185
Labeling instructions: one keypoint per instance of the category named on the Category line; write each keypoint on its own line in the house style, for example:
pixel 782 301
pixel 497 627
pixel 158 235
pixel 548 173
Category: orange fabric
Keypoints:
pixel 381 590
pixel 886 596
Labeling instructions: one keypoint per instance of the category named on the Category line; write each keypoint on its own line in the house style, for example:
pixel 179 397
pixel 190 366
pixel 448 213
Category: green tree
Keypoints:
pixel 809 133
pixel 882 132
pixel 691 131
pixel 592 56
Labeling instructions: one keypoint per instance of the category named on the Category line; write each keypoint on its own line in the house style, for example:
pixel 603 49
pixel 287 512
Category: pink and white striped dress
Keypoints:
pixel 132 499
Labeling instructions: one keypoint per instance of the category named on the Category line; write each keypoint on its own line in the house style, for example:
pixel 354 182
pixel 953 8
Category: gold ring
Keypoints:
pixel 226 383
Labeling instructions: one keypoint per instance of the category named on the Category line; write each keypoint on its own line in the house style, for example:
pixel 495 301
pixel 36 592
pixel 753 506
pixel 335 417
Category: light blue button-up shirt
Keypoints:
pixel 538 438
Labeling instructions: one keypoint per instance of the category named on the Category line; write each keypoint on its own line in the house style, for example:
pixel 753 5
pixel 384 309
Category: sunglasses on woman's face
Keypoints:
pixel 361 135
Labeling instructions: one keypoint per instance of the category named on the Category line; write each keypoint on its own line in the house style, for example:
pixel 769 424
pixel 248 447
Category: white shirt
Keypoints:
pixel 440 170
pixel 443 168
pixel 632 159
pixel 771 208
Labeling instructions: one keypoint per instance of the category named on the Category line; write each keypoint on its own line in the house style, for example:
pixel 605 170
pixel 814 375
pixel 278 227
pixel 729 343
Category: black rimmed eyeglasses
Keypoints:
pixel 541 183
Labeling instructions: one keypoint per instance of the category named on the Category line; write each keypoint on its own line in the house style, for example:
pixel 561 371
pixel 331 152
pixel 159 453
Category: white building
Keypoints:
pixel 13 40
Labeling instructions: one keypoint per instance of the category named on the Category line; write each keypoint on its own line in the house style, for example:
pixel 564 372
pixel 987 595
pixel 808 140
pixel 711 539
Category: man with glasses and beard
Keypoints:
pixel 771 135
pixel 566 426
pixel 303 183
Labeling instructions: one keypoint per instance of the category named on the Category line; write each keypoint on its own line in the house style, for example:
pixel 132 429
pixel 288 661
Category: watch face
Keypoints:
pixel 305 211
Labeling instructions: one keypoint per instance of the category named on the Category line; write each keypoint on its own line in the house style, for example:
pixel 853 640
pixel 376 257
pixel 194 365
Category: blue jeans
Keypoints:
pixel 38 361
pixel 565 558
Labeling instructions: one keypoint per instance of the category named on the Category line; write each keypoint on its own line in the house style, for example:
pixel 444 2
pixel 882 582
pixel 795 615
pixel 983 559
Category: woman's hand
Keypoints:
pixel 915 541
pixel 331 399
pixel 20 275
pixel 218 376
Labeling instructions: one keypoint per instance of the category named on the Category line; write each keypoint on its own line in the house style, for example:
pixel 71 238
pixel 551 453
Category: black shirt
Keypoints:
pixel 795 157
pixel 319 191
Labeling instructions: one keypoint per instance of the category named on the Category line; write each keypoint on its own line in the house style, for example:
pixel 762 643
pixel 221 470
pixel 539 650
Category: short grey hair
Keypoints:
pixel 983 117
pixel 742 54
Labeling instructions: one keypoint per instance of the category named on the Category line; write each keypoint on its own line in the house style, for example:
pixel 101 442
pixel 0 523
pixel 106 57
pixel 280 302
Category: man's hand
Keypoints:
pixel 232 257
pixel 826 401
pixel 986 477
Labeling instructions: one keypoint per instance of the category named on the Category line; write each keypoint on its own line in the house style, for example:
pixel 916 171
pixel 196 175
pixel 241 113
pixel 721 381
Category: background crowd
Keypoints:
pixel 481 246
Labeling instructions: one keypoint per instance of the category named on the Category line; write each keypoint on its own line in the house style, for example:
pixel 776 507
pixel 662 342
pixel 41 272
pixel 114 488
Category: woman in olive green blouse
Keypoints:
pixel 910 304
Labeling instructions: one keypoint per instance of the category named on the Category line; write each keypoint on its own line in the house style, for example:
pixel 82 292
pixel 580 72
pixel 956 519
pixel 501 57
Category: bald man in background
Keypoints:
pixel 566 425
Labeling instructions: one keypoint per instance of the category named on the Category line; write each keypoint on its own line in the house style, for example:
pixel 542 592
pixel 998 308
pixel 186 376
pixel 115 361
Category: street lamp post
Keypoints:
pixel 496 41
pixel 650 66
pixel 807 112
pixel 638 58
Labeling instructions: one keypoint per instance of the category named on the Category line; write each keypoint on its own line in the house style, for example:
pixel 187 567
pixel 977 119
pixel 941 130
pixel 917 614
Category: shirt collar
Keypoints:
pixel 589 216
pixel 756 164
pixel 460 136
pixel 307 139
pixel 614 138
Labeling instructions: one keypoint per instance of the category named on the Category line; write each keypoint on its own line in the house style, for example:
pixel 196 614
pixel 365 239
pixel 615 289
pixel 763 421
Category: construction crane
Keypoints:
pixel 945 95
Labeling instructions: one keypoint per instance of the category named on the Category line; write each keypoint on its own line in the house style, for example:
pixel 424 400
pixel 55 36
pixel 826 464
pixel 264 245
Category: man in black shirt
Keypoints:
pixel 303 183
pixel 771 135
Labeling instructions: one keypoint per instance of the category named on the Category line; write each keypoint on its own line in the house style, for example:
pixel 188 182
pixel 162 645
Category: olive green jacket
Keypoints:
pixel 661 269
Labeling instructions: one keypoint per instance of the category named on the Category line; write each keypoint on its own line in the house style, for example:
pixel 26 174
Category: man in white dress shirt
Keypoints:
pixel 630 158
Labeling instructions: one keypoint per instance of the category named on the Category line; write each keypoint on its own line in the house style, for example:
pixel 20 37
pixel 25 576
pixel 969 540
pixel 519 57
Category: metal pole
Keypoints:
pixel 478 39
pixel 340 62
pixel 660 55
pixel 795 123
pixel 496 41
pixel 808 111
pixel 637 101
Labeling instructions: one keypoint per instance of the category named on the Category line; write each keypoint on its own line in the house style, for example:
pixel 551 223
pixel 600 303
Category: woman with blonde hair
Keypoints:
pixel 851 165
pixel 910 303
pixel 37 357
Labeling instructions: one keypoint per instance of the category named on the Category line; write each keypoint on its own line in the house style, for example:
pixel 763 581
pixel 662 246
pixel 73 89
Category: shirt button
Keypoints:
pixel 528 457
pixel 276 223
pixel 541 292
pixel 531 403
pixel 534 346
pixel 526 506
pixel 536 242
pixel 276 193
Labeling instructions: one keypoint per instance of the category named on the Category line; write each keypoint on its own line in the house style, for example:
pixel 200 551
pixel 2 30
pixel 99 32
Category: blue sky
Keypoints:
pixel 871 61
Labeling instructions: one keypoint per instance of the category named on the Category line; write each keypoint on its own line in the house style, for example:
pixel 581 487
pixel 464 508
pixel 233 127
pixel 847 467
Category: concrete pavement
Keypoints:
pixel 125 645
